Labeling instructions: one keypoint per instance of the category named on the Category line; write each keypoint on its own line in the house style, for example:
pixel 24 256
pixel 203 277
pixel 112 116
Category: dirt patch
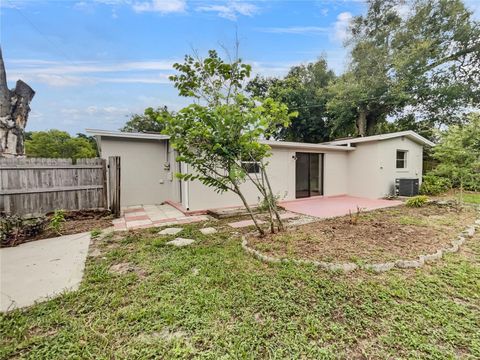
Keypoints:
pixel 378 236
pixel 75 222
pixel 126 267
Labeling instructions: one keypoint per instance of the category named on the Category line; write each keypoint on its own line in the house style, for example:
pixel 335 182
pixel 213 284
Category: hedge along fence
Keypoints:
pixel 36 186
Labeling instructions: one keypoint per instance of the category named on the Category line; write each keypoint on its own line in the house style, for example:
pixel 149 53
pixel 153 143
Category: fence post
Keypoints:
pixel 105 186
pixel 114 182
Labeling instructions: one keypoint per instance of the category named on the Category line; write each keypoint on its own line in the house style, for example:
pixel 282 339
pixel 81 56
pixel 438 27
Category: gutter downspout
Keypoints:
pixel 186 192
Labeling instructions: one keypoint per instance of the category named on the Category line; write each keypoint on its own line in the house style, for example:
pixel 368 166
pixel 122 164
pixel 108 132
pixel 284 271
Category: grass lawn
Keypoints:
pixel 472 198
pixel 212 301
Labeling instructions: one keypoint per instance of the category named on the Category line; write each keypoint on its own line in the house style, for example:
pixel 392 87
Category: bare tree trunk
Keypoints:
pixel 362 122
pixel 274 204
pixel 270 209
pixel 14 109
pixel 239 193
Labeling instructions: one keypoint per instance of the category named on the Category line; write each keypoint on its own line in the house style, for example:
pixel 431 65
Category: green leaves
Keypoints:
pixel 459 154
pixel 59 144
pixel 151 121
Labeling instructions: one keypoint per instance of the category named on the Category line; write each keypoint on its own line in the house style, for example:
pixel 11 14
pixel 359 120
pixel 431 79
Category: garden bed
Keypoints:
pixel 377 236
pixel 77 221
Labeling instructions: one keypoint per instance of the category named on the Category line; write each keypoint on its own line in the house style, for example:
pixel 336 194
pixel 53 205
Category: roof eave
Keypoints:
pixel 127 135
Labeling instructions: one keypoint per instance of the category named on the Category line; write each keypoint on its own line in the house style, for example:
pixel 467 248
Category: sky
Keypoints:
pixel 93 63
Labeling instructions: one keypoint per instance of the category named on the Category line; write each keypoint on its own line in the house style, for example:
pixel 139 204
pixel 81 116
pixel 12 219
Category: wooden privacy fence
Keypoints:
pixel 37 186
pixel 114 184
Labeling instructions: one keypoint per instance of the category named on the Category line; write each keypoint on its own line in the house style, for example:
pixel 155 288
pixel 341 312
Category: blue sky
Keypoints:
pixel 94 62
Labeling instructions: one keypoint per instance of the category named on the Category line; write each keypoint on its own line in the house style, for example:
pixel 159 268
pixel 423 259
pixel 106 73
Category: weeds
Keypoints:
pixel 57 221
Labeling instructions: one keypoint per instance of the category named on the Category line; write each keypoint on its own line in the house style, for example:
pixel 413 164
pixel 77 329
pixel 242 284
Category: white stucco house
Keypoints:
pixel 365 167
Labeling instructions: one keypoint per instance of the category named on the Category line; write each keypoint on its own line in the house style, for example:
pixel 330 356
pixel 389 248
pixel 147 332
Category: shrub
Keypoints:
pixel 15 229
pixel 417 201
pixel 57 220
pixel 434 185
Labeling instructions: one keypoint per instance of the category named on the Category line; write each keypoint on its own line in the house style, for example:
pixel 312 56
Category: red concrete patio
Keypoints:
pixel 332 206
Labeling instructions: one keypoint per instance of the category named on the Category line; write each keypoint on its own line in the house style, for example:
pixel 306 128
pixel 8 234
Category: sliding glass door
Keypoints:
pixel 308 175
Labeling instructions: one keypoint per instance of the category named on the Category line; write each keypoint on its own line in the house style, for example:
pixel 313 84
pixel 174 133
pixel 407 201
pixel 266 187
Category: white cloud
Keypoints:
pixel 55 80
pixel 59 74
pixel 341 27
pixel 161 6
pixel 56 67
pixel 304 30
pixel 231 9
pixel 95 110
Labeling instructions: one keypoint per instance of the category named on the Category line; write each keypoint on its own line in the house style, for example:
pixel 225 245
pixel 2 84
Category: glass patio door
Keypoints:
pixel 308 175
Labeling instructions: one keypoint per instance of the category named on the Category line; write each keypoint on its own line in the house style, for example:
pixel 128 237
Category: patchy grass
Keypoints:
pixel 378 236
pixel 409 220
pixel 471 198
pixel 211 301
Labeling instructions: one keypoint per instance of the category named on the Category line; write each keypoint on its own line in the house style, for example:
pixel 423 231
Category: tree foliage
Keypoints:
pixel 414 64
pixel 59 144
pixel 303 89
pixel 148 122
pixel 418 57
pixel 223 127
pixel 459 154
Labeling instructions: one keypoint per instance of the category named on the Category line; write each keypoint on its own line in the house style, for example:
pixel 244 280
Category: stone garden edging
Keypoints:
pixel 375 267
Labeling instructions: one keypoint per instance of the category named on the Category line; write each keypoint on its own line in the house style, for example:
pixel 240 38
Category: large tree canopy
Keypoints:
pixel 303 89
pixel 420 57
pixel 458 153
pixel 148 122
pixel 58 144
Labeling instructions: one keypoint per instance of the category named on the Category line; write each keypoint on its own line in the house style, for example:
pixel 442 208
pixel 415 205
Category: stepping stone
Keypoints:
pixel 244 223
pixel 288 215
pixel 170 231
pixel 179 242
pixel 208 231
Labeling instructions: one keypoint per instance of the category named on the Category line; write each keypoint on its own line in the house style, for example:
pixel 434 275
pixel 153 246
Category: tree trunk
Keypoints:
pixel 239 193
pixel 371 123
pixel 362 122
pixel 274 204
pixel 14 109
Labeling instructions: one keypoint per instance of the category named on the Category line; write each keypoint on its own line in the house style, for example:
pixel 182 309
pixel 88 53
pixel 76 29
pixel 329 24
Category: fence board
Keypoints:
pixel 114 184
pixel 37 186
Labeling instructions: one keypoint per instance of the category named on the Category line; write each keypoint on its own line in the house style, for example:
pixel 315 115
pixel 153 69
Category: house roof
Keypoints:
pixel 274 143
pixel 412 135
pixel 332 145
pixel 305 146
pixel 130 135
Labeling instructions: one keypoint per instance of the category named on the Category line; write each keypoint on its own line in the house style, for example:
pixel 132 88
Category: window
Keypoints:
pixel 251 167
pixel 401 159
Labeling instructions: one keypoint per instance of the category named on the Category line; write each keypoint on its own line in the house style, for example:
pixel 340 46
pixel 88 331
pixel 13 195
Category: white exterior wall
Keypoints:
pixel 281 172
pixel 363 170
pixel 367 171
pixel 372 166
pixel 336 173
pixel 143 177
pixel 388 170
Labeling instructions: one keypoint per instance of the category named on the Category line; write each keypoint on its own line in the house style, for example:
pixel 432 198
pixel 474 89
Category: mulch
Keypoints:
pixel 378 236
pixel 77 221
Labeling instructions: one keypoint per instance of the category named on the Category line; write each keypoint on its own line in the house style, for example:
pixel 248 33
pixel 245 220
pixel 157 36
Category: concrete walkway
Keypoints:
pixel 327 207
pixel 41 269
pixel 145 216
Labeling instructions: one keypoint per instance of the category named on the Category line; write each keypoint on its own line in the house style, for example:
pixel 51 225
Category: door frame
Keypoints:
pixel 321 159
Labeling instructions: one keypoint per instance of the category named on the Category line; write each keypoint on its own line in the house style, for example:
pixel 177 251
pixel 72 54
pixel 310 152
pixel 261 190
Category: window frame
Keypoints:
pixel 404 159
pixel 251 167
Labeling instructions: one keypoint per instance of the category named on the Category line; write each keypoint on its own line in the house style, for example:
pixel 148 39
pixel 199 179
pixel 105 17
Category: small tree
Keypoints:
pixel 222 129
pixel 459 155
